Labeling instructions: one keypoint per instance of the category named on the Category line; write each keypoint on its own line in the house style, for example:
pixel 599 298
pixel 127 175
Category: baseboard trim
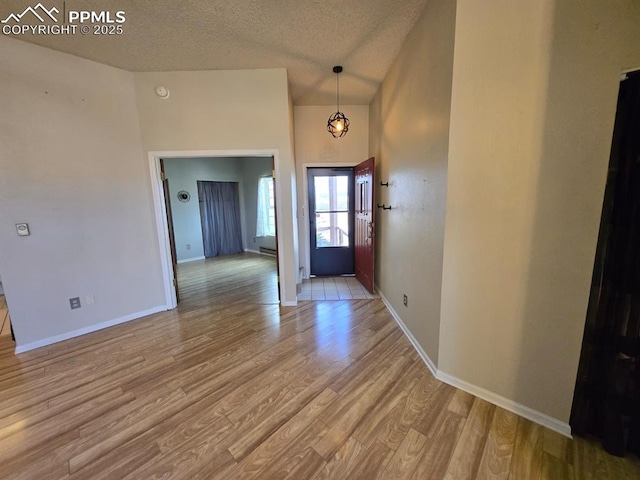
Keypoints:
pixel 425 358
pixel 187 260
pixel 502 402
pixel 89 329
pixel 509 405
pixel 258 252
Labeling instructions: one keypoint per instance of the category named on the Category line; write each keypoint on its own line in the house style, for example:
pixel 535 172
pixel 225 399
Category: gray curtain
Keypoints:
pixel 220 217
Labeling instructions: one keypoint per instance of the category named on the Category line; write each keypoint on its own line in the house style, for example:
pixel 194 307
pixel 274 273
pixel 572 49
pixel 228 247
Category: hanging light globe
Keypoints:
pixel 338 123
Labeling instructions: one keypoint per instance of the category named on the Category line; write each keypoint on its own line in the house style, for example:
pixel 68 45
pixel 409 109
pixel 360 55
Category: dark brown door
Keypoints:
pixel 364 224
pixel 172 240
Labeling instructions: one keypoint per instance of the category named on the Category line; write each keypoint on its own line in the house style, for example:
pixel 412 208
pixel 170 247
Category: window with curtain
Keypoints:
pixel 266 218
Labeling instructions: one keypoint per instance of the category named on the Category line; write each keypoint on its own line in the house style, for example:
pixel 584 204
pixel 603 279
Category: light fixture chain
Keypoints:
pixel 338 90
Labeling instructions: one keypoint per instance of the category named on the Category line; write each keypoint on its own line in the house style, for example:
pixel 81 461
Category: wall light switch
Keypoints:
pixel 23 229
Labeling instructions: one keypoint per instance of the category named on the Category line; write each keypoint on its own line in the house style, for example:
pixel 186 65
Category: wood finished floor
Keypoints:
pixel 5 320
pixel 240 388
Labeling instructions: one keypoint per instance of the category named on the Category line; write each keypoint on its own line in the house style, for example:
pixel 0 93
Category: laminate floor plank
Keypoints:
pixel 406 458
pixel 282 438
pixel 232 386
pixel 307 466
pixel 496 458
pixel 528 452
pixel 396 426
pixel 342 462
pixel 183 453
pixel 442 439
pixel 342 425
pixel 557 445
pixel 26 399
pixel 390 407
pixel 471 444
pixel 461 403
pixel 371 463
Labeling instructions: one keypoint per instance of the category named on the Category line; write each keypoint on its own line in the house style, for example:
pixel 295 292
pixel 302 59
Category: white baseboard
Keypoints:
pixel 540 418
pixel 509 405
pixel 194 259
pixel 425 358
pixel 91 328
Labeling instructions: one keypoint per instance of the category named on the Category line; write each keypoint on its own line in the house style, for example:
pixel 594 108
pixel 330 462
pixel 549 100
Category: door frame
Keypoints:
pixel 161 214
pixel 306 233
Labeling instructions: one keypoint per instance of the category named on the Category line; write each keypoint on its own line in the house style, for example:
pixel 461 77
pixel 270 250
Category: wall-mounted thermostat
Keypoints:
pixel 23 229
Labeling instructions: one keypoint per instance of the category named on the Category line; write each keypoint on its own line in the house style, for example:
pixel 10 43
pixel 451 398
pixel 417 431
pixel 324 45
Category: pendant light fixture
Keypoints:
pixel 338 124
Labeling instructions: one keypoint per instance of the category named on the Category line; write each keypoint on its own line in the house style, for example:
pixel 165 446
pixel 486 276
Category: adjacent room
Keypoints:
pixel 319 240
pixel 221 228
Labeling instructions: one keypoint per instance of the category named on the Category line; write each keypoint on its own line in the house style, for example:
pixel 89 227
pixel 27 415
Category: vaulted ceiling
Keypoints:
pixel 306 37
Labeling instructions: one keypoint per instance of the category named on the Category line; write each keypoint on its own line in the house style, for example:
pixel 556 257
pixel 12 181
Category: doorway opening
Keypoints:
pixel 331 221
pixel 6 330
pixel 341 232
pixel 220 227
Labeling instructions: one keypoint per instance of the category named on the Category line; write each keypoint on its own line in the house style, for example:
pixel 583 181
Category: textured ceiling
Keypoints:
pixel 306 37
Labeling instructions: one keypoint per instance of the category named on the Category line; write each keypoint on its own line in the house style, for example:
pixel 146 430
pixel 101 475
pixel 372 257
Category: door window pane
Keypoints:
pixel 332 229
pixel 332 193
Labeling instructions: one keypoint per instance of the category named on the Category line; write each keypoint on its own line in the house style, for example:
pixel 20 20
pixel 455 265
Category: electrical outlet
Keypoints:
pixel 405 300
pixel 188 246
pixel 75 303
pixel 90 299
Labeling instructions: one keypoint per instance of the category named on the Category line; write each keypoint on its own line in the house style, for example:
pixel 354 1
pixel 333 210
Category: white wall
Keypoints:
pixel 315 145
pixel 409 119
pixel 534 97
pixel 228 110
pixel 183 174
pixel 72 166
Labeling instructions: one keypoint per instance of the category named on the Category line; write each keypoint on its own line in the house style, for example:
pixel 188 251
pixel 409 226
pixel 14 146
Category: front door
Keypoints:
pixel 364 227
pixel 331 220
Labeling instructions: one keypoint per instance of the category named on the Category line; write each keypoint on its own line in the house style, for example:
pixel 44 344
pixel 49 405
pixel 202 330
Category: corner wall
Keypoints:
pixel 409 136
pixel 534 96
pixel 228 110
pixel 72 166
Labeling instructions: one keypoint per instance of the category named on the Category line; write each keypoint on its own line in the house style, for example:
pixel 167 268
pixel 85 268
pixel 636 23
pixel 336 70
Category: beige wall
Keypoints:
pixel 314 144
pixel 227 110
pixel 534 97
pixel 72 166
pixel 409 125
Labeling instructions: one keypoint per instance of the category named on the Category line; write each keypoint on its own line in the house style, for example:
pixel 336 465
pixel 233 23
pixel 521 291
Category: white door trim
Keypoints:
pixel 161 214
